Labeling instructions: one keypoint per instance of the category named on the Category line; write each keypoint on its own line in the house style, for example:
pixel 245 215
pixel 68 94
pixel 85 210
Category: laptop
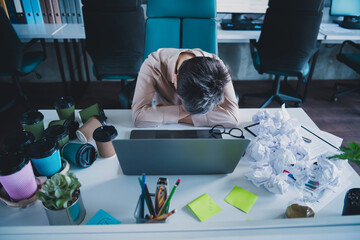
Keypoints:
pixel 179 156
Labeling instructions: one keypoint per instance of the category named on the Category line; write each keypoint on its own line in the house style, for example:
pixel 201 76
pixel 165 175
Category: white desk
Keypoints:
pixel 243 36
pixel 105 187
pixel 336 34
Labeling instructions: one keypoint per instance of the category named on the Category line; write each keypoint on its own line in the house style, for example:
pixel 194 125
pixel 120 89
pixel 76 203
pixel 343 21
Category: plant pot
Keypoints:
pixel 72 215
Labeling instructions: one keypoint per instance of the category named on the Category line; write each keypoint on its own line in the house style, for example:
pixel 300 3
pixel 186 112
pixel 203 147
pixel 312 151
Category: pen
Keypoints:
pixel 320 137
pixel 142 196
pixel 163 208
pixel 148 200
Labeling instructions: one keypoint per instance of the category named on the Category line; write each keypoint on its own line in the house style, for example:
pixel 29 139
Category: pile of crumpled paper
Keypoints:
pixel 279 158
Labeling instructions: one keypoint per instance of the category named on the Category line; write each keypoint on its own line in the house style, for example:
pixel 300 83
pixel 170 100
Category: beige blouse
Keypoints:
pixel 155 81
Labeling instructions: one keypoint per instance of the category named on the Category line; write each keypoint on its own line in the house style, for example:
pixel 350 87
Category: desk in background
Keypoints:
pixel 105 187
pixel 70 34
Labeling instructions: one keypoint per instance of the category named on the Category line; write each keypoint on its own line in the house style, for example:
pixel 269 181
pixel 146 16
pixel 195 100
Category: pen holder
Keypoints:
pixel 146 212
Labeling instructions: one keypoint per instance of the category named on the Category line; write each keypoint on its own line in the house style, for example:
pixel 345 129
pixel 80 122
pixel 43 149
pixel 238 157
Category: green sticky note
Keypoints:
pixel 204 207
pixel 241 199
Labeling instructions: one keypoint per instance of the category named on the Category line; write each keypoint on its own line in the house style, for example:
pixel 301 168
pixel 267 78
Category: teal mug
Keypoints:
pixel 45 156
pixel 81 155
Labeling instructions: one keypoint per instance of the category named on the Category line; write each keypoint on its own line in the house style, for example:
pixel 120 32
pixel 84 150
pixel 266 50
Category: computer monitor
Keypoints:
pixel 349 9
pixel 239 7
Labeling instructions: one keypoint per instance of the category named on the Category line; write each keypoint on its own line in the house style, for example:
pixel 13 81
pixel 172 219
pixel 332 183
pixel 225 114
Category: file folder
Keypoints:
pixel 56 10
pixel 3 5
pixel 28 11
pixel 36 8
pixel 78 5
pixel 50 11
pixel 72 11
pixel 62 11
pixel 11 10
pixel 44 11
pixel 67 11
pixel 20 15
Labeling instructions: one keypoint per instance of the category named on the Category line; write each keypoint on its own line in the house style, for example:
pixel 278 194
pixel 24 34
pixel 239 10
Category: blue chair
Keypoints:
pixel 349 54
pixel 115 33
pixel 15 59
pixel 287 43
pixel 180 24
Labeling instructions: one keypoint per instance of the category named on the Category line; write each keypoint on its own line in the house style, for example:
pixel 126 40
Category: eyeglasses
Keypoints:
pixel 220 129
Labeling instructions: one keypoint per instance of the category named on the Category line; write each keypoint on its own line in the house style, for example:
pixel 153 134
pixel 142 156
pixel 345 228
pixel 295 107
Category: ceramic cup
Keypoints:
pixel 103 137
pixel 18 141
pixel 17 176
pixel 71 125
pixel 93 110
pixel 85 132
pixel 65 108
pixel 58 133
pixel 81 155
pixel 33 121
pixel 45 156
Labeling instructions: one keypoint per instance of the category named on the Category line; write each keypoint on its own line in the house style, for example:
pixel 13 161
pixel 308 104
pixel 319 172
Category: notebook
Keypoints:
pixel 179 156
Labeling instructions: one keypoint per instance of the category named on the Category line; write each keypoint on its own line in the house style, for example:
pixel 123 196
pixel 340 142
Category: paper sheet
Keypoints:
pixel 204 207
pixel 241 199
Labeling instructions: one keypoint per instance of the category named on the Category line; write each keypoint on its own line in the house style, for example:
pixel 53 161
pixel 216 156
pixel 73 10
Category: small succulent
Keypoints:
pixel 59 191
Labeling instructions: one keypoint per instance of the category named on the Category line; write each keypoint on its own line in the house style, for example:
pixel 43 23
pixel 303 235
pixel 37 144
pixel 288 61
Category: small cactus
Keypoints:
pixel 59 191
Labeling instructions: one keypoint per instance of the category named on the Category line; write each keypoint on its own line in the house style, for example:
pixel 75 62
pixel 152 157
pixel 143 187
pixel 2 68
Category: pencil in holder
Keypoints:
pixel 147 214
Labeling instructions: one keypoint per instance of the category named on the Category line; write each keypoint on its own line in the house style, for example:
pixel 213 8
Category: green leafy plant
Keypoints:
pixel 60 191
pixel 351 153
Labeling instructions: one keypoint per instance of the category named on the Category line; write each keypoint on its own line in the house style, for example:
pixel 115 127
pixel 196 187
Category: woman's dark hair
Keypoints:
pixel 200 84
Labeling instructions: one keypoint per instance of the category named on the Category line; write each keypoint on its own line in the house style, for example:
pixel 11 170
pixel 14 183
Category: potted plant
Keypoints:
pixel 62 201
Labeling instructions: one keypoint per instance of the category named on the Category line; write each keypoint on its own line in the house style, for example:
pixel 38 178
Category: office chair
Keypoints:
pixel 180 24
pixel 15 59
pixel 352 60
pixel 115 33
pixel 287 43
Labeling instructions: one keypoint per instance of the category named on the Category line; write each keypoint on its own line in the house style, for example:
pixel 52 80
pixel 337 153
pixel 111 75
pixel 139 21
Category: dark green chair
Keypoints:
pixel 287 43
pixel 349 54
pixel 15 58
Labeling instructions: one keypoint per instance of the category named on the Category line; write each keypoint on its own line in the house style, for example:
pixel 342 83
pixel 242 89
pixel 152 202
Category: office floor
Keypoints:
pixel 341 118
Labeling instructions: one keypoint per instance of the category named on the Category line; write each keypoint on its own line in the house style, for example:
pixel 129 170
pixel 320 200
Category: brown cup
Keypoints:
pixel 103 137
pixel 85 132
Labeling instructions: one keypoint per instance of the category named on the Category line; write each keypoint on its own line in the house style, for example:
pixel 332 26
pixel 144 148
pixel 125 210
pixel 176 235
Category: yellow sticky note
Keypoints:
pixel 204 207
pixel 241 199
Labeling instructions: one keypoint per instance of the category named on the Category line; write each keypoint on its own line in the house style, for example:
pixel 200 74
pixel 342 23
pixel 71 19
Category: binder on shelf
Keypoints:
pixel 44 11
pixel 3 5
pixel 67 11
pixel 20 15
pixel 56 9
pixel 50 11
pixel 35 4
pixel 78 6
pixel 72 11
pixel 62 11
pixel 11 10
pixel 28 11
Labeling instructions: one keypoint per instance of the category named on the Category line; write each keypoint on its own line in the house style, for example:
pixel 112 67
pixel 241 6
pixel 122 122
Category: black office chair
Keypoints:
pixel 15 58
pixel 115 35
pixel 352 60
pixel 287 42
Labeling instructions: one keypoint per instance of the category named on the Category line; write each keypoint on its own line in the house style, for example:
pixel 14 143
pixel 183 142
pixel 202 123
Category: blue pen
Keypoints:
pixel 142 196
